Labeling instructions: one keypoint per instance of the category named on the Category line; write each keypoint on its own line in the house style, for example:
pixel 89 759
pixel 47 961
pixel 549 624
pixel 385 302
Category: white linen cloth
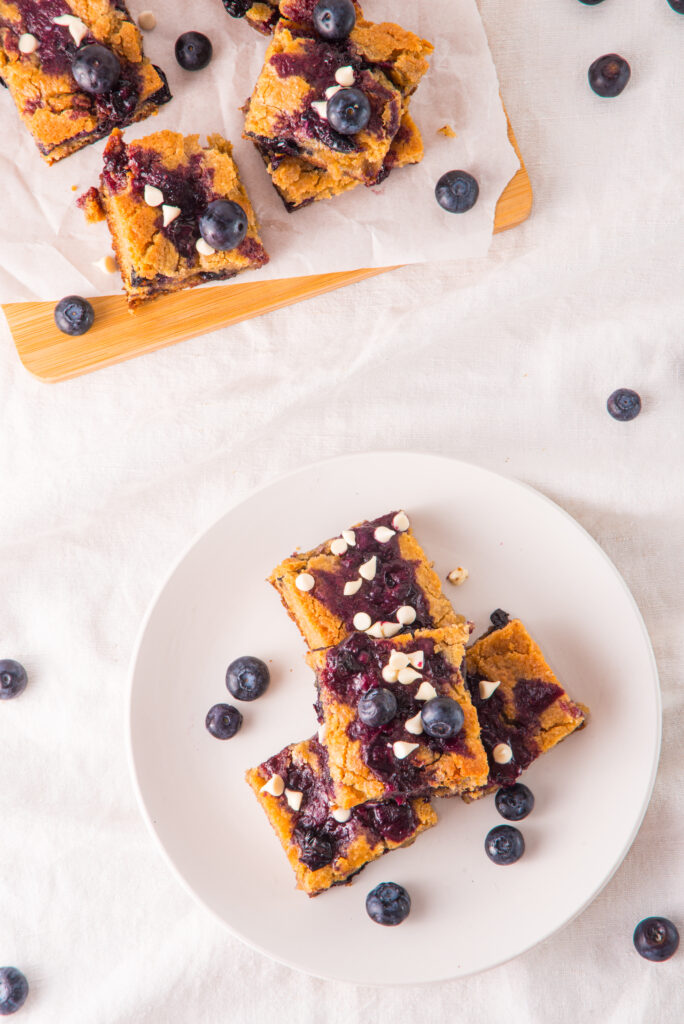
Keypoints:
pixel 506 361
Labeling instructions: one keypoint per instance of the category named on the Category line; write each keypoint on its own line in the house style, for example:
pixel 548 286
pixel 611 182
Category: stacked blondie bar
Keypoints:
pixel 405 711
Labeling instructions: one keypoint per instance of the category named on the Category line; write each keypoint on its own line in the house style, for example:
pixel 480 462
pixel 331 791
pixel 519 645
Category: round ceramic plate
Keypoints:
pixel 524 554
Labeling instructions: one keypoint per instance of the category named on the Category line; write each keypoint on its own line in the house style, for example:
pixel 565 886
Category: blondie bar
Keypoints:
pixel 522 708
pixel 153 193
pixel 39 41
pixel 396 757
pixel 325 845
pixel 373 578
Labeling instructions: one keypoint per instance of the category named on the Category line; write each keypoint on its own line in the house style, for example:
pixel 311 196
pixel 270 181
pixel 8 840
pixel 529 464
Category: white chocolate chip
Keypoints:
pixel 203 248
pixel 401 522
pixel 146 21
pixel 331 90
pixel 369 568
pixel 375 630
pixel 402 749
pixel 458 576
pixel 408 675
pixel 294 798
pixel 27 43
pixel 275 786
pixel 406 614
pixel 341 815
pixel 383 533
pixel 417 659
pixel 389 674
pixel 390 629
pixel 502 753
pixel 153 196
pixel 170 213
pixel 414 725
pixel 398 659
pixel 426 691
pixel 107 264
pixel 350 537
pixel 345 76
pixel 338 546
pixel 76 27
pixel 352 587
pixel 305 581
pixel 322 732
pixel 321 108
pixel 362 621
pixel 487 688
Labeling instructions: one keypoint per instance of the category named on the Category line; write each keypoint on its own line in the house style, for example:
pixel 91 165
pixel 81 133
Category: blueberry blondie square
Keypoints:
pixel 50 49
pixel 522 708
pixel 374 697
pixel 177 212
pixel 325 845
pixel 373 578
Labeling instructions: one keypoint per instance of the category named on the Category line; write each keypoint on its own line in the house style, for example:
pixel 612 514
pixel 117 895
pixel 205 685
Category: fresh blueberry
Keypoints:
pixel 442 718
pixel 95 69
pixel 504 844
pixel 656 938
pixel 223 224
pixel 499 618
pixel 247 678
pixel 377 707
pixel 591 3
pixel 334 19
pixel 223 721
pixel 677 5
pixel 349 111
pixel 514 802
pixel 13 679
pixel 624 404
pixel 13 990
pixel 457 191
pixel 388 903
pixel 74 315
pixel 193 51
pixel 608 75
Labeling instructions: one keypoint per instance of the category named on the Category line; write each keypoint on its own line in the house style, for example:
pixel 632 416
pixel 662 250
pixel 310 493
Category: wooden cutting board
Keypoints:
pixel 117 335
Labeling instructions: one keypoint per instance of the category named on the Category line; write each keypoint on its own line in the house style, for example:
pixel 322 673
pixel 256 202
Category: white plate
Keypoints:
pixel 524 554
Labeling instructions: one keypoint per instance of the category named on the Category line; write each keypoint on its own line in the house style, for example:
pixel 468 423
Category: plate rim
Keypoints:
pixel 196 539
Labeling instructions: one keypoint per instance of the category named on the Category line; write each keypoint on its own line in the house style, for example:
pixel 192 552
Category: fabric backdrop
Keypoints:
pixel 507 362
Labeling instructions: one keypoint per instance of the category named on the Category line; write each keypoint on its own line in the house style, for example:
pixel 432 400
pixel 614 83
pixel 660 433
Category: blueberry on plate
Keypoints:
pixel 609 75
pixel 334 19
pixel 223 721
pixel 442 718
pixel 499 618
pixel 591 3
pixel 388 904
pixel 74 315
pixel 457 191
pixel 193 51
pixel 377 707
pixel 656 938
pixel 13 679
pixel 504 844
pixel 624 404
pixel 348 111
pixel 223 224
pixel 13 990
pixel 96 69
pixel 677 5
pixel 514 802
pixel 247 678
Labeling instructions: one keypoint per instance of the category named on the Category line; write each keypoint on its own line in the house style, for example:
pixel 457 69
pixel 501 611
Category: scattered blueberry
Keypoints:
pixel 13 679
pixel 388 903
pixel 95 69
pixel 13 990
pixel 377 707
pixel 457 191
pixel 514 802
pixel 223 224
pixel 609 75
pixel 656 938
pixel 334 19
pixel 591 3
pixel 223 721
pixel 74 315
pixel 442 717
pixel 624 404
pixel 677 5
pixel 247 678
pixel 504 844
pixel 349 111
pixel 499 618
pixel 193 51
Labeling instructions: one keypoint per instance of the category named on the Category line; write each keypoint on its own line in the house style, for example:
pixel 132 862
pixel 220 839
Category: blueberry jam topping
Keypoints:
pixel 656 939
pixel 395 821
